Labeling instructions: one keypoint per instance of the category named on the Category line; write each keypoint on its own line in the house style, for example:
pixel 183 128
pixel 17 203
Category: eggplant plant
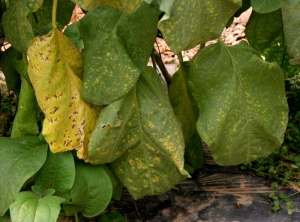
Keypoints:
pixel 93 118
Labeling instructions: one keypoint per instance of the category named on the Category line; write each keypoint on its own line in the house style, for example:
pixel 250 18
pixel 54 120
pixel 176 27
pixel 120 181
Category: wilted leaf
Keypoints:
pixel 142 137
pixel 20 159
pixel 117 49
pixel 30 207
pixel 12 77
pixel 58 173
pixel 16 26
pixel 196 21
pixel 265 33
pixel 127 6
pixel 187 113
pixel 92 189
pixel 243 108
pixel 55 70
pixel 265 6
pixel 25 122
pixel 291 26
pixel 44 15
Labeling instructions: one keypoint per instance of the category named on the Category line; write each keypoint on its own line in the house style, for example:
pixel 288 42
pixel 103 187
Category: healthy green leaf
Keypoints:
pixel 166 7
pixel 28 207
pixel 265 33
pixel 12 77
pixel 187 113
pixel 92 189
pixel 291 26
pixel 196 21
pixel 265 6
pixel 127 6
pixel 243 109
pixel 72 32
pixel 20 159
pixel 55 69
pixel 112 217
pixel 58 173
pixel 117 49
pixel 141 135
pixel 25 122
pixel 44 15
pixel 16 26
pixel 70 209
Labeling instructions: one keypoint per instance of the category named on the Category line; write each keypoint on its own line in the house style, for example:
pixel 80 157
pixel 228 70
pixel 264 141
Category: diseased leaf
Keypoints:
pixel 243 108
pixel 127 6
pixel 33 5
pixel 58 173
pixel 187 113
pixel 291 26
pixel 142 137
pixel 44 15
pixel 117 49
pixel 55 70
pixel 28 156
pixel 196 21
pixel 16 26
pixel 12 77
pixel 25 122
pixel 92 189
pixel 265 6
pixel 265 33
pixel 30 207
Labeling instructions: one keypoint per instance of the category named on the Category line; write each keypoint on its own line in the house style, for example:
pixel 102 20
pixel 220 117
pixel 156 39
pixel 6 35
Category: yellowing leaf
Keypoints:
pixel 127 6
pixel 55 70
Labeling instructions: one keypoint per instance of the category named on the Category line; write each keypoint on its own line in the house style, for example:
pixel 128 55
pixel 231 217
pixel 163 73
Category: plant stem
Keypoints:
pixel 54 9
pixel 76 217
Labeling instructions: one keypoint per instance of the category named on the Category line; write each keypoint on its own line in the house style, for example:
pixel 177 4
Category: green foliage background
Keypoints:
pixel 120 123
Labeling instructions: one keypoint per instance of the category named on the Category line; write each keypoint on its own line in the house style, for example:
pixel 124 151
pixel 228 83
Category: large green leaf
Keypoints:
pixel 187 113
pixel 55 69
pixel 196 21
pixel 12 77
pixel 127 6
pixel 58 173
pixel 142 137
pixel 291 26
pixel 16 26
pixel 44 15
pixel 92 189
pixel 20 159
pixel 265 33
pixel 25 122
pixel 243 108
pixel 28 207
pixel 265 6
pixel 117 49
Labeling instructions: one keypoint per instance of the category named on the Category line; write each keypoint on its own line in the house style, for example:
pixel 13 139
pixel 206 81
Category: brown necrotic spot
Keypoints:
pixel 55 109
